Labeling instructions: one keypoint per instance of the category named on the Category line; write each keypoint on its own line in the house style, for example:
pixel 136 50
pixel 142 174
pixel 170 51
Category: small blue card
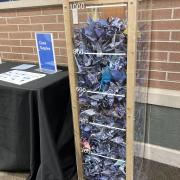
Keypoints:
pixel 46 54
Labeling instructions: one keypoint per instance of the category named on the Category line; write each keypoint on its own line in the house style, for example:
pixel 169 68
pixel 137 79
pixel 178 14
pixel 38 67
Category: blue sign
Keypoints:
pixel 46 54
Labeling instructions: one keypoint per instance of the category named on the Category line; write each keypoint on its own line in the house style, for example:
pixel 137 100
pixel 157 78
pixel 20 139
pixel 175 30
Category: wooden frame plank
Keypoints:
pixel 101 1
pixel 131 79
pixel 73 83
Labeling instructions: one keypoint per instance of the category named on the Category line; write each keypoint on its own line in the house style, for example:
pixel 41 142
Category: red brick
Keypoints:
pixel 54 27
pixel 82 17
pixel 22 49
pixel 29 12
pixel 2 21
pixel 144 4
pixel 11 56
pixel 142 65
pixel 60 19
pixel 18 20
pixel 57 51
pixel 165 66
pixel 8 13
pixel 63 52
pixel 30 57
pixel 157 75
pixel 167 46
pixel 61 59
pixel 8 28
pixel 144 15
pixel 60 43
pixel 20 35
pixel 174 57
pixel 161 14
pixel 43 19
pixel 142 74
pixel 33 27
pixel 176 14
pixel 158 56
pixel 142 45
pixel 3 35
pixel 164 85
pixel 62 35
pixel 142 83
pixel 176 36
pixel 28 42
pixel 166 25
pixel 5 49
pixel 52 10
pixel 146 36
pixel 164 4
pixel 10 42
pixel 143 55
pixel 55 35
pixel 174 77
pixel 144 26
pixel 161 36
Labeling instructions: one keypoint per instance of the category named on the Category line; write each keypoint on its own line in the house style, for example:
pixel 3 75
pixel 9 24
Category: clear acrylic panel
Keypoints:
pixel 142 78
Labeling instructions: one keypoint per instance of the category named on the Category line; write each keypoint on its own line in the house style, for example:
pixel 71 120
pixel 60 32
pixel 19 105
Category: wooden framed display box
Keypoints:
pixel 101 45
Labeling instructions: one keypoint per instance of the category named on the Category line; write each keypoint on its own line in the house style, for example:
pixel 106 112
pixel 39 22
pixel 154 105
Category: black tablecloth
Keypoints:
pixel 36 131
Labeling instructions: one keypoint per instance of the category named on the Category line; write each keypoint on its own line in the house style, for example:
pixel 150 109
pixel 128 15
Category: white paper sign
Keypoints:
pixel 20 77
pixel 23 67
pixel 75 15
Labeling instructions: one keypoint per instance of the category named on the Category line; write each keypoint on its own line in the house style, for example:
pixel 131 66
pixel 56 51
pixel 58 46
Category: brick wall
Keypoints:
pixel 17 32
pixel 165 43
pixel 160 47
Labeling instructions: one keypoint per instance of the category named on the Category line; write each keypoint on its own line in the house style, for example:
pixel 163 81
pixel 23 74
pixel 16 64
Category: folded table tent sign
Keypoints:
pixel 102 65
pixel 45 51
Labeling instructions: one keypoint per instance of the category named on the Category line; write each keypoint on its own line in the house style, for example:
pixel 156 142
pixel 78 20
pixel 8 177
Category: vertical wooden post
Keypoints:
pixel 131 80
pixel 73 84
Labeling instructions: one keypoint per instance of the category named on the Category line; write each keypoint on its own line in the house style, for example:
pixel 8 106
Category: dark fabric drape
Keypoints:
pixel 36 119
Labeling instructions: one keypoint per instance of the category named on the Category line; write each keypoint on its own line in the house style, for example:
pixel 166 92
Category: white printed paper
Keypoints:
pixel 23 67
pixel 75 15
pixel 20 77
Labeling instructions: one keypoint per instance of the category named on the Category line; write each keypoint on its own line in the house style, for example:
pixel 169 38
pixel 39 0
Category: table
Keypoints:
pixel 36 129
